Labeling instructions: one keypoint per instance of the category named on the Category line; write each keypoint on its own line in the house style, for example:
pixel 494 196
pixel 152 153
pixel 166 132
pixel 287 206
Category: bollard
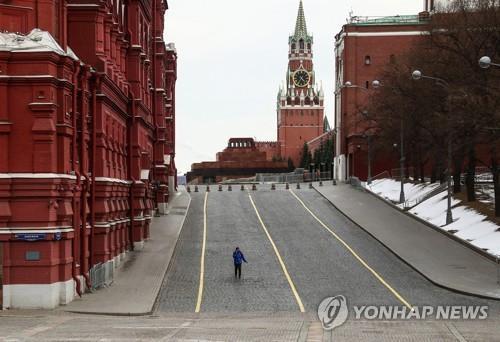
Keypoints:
pixel 220 187
pixel 498 269
pixel 208 188
pixel 310 185
pixel 320 183
pixel 229 188
pixel 254 187
pixel 188 188
pixel 242 187
pixel 298 185
pixel 287 186
pixel 273 186
pixel 196 188
pixel 334 182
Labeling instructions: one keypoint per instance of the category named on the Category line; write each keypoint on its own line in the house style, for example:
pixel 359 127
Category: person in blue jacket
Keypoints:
pixel 238 258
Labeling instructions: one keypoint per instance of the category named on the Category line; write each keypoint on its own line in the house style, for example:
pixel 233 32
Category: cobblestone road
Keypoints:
pixel 318 264
pixel 262 306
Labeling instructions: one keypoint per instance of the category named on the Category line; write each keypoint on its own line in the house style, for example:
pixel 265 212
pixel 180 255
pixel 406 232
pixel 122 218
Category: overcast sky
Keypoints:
pixel 233 57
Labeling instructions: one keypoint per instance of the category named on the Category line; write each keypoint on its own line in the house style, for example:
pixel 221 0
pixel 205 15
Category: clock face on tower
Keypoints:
pixel 301 78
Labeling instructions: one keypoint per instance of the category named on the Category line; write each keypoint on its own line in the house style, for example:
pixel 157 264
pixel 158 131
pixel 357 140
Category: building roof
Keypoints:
pixel 300 25
pixel 389 20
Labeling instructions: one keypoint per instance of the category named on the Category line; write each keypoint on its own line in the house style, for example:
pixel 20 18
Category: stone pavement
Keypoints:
pixel 440 259
pixel 257 327
pixel 138 280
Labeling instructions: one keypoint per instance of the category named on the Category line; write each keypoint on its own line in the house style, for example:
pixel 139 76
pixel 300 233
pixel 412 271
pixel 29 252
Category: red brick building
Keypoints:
pixel 87 113
pixel 362 48
pixel 240 159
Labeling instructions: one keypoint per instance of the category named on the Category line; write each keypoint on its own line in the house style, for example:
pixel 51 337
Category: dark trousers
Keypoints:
pixel 237 270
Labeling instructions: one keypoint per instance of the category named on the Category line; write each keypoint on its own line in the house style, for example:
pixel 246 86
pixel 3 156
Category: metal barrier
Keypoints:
pixel 98 276
pixel 382 175
pixel 396 173
pixel 293 177
pixel 425 197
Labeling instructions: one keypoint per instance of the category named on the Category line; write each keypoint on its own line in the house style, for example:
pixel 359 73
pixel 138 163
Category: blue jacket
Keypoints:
pixel 238 257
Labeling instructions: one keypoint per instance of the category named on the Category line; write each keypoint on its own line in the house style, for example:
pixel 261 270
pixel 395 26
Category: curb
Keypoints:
pixel 463 292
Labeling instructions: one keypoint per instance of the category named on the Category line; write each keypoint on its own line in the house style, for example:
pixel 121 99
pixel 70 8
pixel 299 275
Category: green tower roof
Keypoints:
pixel 300 26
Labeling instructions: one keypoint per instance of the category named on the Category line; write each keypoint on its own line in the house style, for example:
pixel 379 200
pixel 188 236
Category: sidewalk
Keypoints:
pixel 440 259
pixel 138 280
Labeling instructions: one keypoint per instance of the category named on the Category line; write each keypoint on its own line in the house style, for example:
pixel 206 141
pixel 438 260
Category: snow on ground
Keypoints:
pixel 485 193
pixel 390 189
pixel 468 224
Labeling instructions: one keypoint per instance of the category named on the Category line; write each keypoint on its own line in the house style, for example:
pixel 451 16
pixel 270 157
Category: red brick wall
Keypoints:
pixel 377 42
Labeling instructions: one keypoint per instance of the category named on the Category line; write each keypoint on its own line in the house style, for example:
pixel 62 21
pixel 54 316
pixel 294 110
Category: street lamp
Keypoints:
pixel 378 84
pixel 417 75
pixel 485 62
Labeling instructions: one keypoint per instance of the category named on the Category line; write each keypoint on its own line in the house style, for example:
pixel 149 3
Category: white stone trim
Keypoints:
pixel 384 34
pixel 29 76
pixel 112 180
pixel 138 245
pixel 107 224
pixel 298 126
pixel 37 175
pixel 38 296
pixel 21 230
pixel 82 5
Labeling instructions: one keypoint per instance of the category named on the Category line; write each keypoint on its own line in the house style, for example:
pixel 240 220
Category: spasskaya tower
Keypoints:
pixel 300 108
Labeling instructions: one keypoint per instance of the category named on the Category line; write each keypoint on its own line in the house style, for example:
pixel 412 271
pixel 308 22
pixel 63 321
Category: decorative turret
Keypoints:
pixel 301 42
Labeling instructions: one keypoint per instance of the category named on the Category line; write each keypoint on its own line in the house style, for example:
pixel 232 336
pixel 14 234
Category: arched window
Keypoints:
pixel 368 60
pixel 294 46
pixel 301 44
pixel 309 46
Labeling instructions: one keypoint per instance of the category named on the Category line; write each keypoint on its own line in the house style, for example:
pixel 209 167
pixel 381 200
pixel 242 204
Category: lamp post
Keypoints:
pixel 378 84
pixel 417 75
pixel 485 62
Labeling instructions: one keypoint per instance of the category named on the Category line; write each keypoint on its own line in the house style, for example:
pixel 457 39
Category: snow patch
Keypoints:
pixel 468 224
pixel 36 40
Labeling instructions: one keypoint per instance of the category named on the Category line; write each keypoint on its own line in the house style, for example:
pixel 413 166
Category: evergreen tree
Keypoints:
pixel 305 157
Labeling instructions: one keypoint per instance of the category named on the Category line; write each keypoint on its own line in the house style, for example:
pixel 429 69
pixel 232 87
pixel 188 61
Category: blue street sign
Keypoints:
pixel 31 236
pixel 57 236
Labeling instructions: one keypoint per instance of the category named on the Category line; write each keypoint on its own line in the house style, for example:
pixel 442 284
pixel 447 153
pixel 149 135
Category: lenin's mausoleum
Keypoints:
pixel 87 131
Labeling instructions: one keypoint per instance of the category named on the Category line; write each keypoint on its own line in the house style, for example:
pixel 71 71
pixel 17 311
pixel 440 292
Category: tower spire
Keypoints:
pixel 300 26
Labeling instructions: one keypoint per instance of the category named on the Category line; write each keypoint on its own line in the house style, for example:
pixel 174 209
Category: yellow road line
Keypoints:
pixel 360 259
pixel 280 259
pixel 202 263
